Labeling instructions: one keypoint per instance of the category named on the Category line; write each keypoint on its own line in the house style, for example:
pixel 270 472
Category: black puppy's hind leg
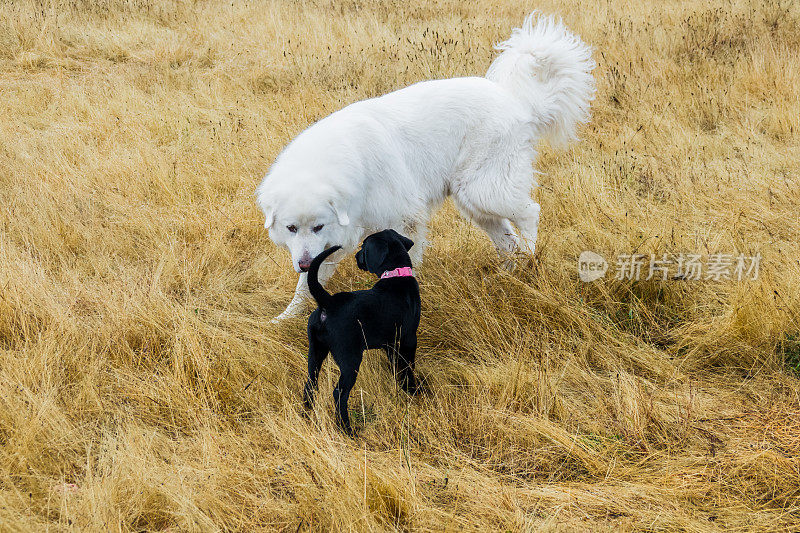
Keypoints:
pixel 347 379
pixel 391 356
pixel 405 362
pixel 317 352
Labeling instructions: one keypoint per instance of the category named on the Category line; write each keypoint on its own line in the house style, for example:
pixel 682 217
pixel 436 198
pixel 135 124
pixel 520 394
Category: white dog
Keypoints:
pixel 388 162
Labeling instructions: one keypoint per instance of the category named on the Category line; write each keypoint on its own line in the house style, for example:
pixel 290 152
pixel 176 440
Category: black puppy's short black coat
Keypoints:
pixel 347 323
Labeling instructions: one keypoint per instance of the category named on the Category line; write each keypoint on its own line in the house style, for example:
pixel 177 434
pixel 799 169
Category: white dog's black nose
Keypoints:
pixel 304 263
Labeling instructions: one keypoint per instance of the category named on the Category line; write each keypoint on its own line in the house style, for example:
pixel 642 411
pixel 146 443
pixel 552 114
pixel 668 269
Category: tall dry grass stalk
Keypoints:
pixel 143 388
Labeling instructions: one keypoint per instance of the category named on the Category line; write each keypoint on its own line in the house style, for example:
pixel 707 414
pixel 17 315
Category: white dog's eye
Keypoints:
pixel 292 228
pixel 316 229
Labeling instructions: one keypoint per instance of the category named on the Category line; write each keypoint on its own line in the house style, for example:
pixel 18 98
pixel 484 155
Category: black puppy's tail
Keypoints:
pixel 323 297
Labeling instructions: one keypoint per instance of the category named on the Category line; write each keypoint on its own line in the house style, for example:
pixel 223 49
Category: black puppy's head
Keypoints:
pixel 382 251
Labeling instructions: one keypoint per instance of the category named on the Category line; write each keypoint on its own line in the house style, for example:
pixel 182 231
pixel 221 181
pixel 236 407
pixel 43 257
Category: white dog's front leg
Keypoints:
pixel 298 304
pixel 301 295
pixel 419 235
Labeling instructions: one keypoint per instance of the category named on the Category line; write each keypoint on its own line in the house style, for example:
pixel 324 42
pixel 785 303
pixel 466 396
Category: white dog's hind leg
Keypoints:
pixel 502 233
pixel 496 206
pixel 527 221
pixel 299 303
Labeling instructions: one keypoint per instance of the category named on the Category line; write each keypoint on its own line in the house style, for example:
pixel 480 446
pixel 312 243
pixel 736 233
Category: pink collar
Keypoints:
pixel 402 272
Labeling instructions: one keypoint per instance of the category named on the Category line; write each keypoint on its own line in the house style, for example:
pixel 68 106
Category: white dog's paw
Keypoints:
pixel 509 263
pixel 283 316
pixel 292 311
pixel 516 259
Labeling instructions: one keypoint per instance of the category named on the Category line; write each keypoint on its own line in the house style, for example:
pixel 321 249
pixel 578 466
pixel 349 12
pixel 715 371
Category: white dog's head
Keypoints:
pixel 306 222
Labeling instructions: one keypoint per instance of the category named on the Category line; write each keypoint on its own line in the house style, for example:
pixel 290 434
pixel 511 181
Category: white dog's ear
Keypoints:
pixel 344 220
pixel 269 213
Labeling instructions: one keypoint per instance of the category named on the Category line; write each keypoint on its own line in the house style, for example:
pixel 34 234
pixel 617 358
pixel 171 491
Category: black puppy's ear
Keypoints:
pixel 408 243
pixel 375 252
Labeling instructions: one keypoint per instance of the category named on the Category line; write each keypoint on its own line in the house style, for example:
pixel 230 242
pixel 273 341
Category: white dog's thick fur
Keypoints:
pixel 388 162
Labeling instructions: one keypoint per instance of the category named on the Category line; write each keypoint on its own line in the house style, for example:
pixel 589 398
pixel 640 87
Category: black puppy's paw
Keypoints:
pixel 308 396
pixel 421 386
pixel 308 407
pixel 411 387
pixel 345 428
pixel 349 432
pixel 308 403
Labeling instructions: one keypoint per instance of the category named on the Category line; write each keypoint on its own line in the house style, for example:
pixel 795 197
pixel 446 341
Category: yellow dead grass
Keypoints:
pixel 142 387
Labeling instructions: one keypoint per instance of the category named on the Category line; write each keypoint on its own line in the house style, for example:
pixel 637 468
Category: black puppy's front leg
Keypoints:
pixel 317 352
pixel 347 379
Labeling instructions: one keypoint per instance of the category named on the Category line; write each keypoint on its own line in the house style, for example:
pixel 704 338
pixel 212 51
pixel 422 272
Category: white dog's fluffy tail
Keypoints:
pixel 550 69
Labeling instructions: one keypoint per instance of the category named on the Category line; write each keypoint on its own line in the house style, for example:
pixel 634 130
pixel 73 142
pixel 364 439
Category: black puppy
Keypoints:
pixel 347 323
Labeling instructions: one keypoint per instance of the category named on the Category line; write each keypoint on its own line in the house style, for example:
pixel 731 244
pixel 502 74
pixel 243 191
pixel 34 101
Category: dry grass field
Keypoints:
pixel 142 386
